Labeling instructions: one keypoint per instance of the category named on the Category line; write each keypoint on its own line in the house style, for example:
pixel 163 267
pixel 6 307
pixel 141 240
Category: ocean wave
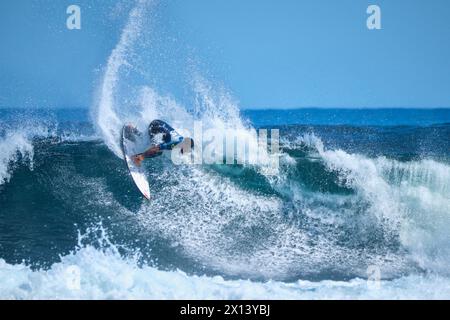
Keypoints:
pixel 13 147
pixel 411 199
pixel 18 142
pixel 240 223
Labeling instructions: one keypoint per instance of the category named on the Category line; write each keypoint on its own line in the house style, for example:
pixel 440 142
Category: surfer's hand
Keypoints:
pixel 137 159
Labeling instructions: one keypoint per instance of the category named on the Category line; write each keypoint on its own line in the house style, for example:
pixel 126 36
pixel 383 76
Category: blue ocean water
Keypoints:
pixel 354 117
pixel 348 196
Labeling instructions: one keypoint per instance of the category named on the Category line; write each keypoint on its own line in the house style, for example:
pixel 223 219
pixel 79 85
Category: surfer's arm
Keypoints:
pixel 151 152
pixel 155 151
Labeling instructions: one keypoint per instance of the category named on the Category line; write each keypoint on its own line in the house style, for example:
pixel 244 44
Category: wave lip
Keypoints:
pixel 13 146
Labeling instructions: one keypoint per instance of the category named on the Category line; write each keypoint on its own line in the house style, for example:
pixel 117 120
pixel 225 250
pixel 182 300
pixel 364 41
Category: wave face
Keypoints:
pixel 347 198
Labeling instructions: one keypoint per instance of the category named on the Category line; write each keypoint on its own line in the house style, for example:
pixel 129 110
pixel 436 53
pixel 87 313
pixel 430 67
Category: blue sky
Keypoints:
pixel 269 54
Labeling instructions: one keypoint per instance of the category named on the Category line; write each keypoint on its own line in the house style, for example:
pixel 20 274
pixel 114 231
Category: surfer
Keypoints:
pixel 162 138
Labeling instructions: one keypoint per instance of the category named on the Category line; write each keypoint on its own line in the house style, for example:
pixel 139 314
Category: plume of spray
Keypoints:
pixel 107 120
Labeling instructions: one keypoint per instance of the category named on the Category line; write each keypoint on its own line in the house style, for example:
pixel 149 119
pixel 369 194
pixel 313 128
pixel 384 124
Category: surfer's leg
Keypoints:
pixel 152 152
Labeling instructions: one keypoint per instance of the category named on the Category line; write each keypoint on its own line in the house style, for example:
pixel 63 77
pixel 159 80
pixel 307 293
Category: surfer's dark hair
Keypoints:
pixel 158 126
pixel 167 137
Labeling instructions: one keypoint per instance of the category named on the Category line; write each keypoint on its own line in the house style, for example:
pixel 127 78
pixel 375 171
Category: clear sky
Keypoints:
pixel 268 53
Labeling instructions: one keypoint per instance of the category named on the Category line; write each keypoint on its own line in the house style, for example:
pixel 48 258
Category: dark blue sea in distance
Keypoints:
pixel 357 189
pixel 273 117
pixel 353 117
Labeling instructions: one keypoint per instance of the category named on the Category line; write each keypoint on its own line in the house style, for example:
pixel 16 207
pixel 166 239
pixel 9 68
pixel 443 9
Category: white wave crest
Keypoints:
pixel 410 198
pixel 13 147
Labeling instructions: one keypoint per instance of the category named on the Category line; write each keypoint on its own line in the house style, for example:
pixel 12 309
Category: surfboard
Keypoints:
pixel 132 144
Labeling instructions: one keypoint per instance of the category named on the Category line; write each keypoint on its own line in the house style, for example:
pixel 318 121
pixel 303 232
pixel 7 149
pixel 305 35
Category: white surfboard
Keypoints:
pixel 132 144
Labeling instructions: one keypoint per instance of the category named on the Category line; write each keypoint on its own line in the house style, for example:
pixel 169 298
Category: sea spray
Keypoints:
pixel 14 146
pixel 108 121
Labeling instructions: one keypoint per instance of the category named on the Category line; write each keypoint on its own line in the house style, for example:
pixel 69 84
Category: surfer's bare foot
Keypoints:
pixel 137 159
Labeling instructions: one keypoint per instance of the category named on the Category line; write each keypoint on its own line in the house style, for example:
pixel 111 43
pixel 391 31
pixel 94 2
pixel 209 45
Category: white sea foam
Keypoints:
pixel 243 233
pixel 104 274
